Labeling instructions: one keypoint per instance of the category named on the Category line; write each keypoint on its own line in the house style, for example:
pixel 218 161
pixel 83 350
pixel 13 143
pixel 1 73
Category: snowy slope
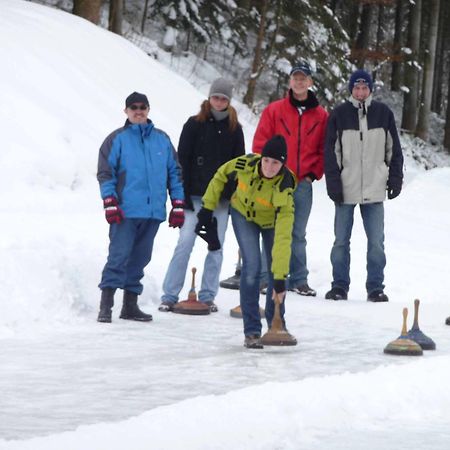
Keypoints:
pixel 67 382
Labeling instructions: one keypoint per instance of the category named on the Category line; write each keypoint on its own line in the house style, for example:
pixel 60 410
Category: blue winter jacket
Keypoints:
pixel 137 164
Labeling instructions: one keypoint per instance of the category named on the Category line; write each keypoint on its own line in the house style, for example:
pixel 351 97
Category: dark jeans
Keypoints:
pixel 248 236
pixel 130 250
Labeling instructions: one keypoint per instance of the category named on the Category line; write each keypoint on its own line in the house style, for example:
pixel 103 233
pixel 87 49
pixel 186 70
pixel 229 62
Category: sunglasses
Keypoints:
pixel 140 107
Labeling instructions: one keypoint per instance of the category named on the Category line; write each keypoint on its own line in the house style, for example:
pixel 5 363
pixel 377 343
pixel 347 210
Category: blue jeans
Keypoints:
pixel 176 272
pixel 248 235
pixel 298 271
pixel 130 250
pixel 263 276
pixel 373 219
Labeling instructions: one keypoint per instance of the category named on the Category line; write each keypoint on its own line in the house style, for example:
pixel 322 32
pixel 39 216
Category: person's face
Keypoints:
pixel 300 83
pixel 270 167
pixel 360 91
pixel 219 102
pixel 137 113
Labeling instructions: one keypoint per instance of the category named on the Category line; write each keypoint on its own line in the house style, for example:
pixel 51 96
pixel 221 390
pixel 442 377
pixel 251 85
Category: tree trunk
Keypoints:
pixel 88 9
pixel 363 39
pixel 251 86
pixel 115 16
pixel 396 75
pixel 410 98
pixel 144 16
pixel 352 22
pixel 447 121
pixel 380 40
pixel 436 100
pixel 428 73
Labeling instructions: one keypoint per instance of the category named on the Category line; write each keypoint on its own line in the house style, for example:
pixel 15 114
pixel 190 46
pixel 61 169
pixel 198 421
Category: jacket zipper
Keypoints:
pixel 298 144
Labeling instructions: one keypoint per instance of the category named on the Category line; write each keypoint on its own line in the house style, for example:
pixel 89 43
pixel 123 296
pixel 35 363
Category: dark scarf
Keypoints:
pixel 302 105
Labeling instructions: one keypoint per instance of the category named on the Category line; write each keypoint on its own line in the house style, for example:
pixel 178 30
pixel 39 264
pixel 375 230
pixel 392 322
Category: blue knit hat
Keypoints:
pixel 360 76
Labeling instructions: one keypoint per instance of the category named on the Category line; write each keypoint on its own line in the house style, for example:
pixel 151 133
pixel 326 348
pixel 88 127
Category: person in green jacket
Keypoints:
pixel 261 188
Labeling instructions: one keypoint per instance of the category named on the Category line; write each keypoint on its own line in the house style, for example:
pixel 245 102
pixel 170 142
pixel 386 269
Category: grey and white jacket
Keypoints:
pixel 363 155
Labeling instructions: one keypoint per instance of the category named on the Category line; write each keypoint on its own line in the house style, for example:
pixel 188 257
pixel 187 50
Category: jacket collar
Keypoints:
pixel 144 129
pixel 310 102
pixel 357 104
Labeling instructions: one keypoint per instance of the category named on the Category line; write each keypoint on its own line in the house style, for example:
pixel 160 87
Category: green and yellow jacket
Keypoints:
pixel 267 202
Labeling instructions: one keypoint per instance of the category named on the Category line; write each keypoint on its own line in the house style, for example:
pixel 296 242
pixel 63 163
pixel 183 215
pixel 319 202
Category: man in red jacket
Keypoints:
pixel 302 122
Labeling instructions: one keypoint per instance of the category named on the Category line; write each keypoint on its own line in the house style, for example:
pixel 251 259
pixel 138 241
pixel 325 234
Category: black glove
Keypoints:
pixel 392 193
pixel 337 197
pixel 394 187
pixel 206 228
pixel 204 217
pixel 279 286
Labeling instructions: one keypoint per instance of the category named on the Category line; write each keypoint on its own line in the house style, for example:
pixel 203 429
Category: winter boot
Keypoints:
pixel 106 304
pixel 130 309
pixel 253 341
pixel 336 293
pixel 305 290
pixel 377 296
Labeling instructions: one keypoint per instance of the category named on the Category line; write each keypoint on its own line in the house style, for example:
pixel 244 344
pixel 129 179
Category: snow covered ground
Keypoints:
pixel 183 382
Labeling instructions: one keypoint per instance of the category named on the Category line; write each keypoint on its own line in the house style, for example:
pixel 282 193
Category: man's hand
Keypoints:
pixel 337 197
pixel 176 216
pixel 113 213
pixel 394 187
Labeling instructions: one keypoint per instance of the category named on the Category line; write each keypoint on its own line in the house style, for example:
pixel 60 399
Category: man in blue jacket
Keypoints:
pixel 137 164
pixel 363 161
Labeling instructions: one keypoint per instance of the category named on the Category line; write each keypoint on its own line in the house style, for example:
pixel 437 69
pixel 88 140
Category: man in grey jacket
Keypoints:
pixel 363 160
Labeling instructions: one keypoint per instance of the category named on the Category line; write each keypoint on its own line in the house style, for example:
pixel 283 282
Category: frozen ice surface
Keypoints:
pixel 89 372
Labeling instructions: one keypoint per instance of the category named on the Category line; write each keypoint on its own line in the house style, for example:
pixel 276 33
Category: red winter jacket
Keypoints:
pixel 305 149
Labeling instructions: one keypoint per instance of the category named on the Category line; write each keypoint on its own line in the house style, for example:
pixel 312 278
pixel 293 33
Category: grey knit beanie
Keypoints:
pixel 221 87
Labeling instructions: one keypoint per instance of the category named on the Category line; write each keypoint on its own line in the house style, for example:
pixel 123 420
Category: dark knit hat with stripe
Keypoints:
pixel 275 148
pixel 360 76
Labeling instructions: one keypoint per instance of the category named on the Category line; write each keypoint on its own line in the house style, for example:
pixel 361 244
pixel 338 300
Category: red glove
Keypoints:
pixel 113 213
pixel 176 216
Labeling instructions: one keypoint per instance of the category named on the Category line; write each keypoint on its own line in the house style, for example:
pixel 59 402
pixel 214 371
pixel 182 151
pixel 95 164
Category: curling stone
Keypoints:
pixel 416 335
pixel 191 306
pixel 277 334
pixel 402 345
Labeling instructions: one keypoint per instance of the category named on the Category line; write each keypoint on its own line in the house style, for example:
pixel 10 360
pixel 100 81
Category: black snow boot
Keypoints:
pixel 106 304
pixel 130 309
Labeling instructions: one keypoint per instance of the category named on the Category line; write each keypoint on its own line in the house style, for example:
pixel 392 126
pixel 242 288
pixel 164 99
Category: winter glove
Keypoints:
pixel 337 197
pixel 176 216
pixel 392 193
pixel 279 286
pixel 113 213
pixel 394 187
pixel 204 217
pixel 206 228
